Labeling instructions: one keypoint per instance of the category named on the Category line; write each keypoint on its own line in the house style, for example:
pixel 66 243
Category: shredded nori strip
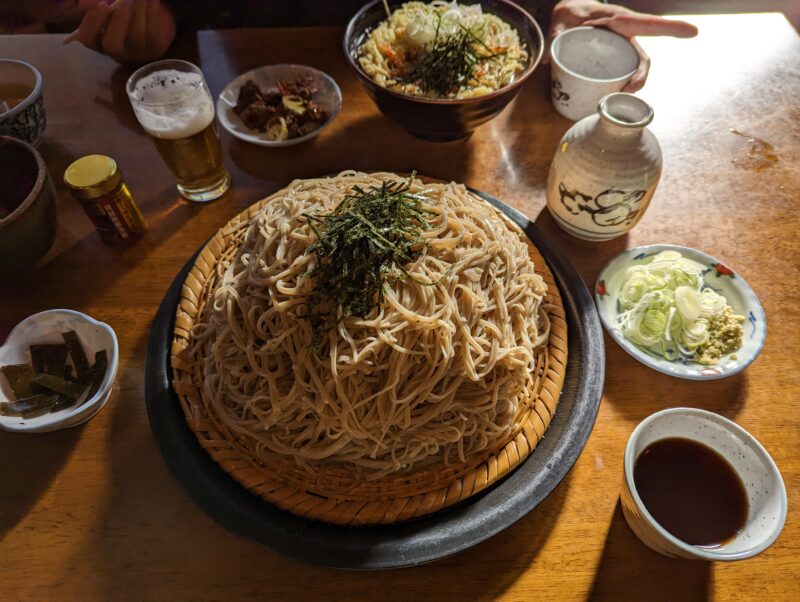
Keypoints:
pixel 20 378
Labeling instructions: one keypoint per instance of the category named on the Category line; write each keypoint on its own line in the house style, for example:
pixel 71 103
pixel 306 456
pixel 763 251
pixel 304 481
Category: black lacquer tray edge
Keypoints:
pixel 437 536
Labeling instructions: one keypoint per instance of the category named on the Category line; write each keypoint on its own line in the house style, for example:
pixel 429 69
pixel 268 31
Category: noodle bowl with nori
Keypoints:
pixel 431 376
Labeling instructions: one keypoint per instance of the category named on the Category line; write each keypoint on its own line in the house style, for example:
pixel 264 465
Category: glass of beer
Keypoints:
pixel 174 106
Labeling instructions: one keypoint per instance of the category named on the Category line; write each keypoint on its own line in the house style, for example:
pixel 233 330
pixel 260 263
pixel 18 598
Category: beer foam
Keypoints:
pixel 172 104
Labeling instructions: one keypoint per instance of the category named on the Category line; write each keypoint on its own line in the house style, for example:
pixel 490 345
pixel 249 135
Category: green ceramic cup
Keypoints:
pixel 28 216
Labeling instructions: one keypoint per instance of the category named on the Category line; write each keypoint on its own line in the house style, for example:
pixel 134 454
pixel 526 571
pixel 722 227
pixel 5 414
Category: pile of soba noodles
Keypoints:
pixel 432 375
pixel 394 50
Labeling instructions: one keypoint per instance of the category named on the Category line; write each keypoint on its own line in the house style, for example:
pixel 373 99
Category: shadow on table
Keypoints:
pixel 625 377
pixel 588 257
pixel 120 104
pixel 29 464
pixel 150 535
pixel 533 153
pixel 370 143
pixel 629 570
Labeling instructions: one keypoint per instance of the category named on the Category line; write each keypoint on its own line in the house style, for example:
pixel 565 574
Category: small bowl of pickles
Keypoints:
pixel 57 369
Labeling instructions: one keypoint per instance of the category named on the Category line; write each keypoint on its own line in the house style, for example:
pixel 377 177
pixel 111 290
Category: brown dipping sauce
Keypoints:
pixel 691 491
pixel 12 95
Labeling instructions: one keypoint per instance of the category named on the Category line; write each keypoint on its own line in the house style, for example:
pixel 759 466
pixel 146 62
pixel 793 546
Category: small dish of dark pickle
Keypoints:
pixel 56 370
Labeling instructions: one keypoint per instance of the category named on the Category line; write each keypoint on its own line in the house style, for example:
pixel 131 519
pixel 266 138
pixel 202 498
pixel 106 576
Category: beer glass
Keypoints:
pixel 174 106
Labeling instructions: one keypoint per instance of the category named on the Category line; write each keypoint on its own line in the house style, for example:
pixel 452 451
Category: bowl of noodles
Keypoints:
pixel 441 69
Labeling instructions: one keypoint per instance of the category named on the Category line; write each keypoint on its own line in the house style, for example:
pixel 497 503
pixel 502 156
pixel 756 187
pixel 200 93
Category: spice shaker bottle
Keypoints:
pixel 96 181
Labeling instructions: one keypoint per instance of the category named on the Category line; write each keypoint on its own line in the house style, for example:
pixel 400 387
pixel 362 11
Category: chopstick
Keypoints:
pixel 73 37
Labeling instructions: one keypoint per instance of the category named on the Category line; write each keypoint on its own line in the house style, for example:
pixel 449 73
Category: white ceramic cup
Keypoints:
pixel 762 480
pixel 586 64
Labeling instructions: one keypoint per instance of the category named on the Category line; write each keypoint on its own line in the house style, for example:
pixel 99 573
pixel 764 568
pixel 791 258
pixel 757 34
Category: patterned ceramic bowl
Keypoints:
pixel 22 116
pixel 717 276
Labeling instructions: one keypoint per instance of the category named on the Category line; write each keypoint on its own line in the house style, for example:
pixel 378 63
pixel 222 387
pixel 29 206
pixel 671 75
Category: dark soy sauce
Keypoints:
pixel 692 491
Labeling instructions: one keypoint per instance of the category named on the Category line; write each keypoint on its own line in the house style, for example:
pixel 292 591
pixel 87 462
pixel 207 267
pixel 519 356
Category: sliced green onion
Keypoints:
pixel 688 302
pixel 666 306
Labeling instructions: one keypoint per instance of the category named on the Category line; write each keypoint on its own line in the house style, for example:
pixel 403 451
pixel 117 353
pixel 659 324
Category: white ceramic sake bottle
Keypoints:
pixel 605 170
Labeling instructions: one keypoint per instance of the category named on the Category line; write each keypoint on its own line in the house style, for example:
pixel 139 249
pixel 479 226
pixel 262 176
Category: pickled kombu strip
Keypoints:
pixel 49 359
pixel 97 372
pixel 59 385
pixel 75 351
pixel 20 379
pixel 30 407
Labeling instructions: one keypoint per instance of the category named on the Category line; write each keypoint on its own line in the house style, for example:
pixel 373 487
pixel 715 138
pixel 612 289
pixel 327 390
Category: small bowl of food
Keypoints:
pixel 57 368
pixel 442 69
pixel 681 312
pixel 279 105
pixel 22 114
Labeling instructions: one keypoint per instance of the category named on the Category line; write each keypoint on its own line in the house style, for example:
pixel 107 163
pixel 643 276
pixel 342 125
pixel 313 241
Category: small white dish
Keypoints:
pixel 586 64
pixel 720 278
pixel 328 97
pixel 46 328
pixel 761 478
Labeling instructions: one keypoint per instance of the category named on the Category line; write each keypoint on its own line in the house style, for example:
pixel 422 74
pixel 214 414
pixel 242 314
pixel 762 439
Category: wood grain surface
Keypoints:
pixel 92 513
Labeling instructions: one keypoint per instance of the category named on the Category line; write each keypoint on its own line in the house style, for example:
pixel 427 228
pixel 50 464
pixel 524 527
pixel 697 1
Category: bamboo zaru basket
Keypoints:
pixel 334 494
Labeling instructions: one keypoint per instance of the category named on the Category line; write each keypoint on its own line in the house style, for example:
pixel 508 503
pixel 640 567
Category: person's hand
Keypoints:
pixel 571 13
pixel 134 31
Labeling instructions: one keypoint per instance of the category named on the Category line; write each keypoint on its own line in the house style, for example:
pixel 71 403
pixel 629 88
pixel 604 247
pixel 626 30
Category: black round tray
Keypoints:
pixel 414 542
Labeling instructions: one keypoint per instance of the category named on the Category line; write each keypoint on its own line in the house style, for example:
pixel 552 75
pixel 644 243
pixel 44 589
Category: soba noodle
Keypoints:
pixel 433 376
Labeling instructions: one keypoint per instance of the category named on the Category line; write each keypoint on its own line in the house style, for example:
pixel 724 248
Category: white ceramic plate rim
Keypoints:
pixel 60 418
pixel 706 554
pixel 676 369
pixel 223 106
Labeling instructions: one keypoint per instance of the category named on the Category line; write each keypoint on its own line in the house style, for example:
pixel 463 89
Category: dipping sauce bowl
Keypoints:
pixel 762 482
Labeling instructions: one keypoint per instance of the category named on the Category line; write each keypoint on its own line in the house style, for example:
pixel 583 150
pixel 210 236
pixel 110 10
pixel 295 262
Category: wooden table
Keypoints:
pixel 92 513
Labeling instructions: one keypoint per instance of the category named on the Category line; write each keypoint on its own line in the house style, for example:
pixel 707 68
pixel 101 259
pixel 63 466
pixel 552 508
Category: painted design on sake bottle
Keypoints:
pixel 605 170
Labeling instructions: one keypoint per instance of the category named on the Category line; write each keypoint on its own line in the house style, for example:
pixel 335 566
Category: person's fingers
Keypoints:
pixel 639 77
pixel 555 29
pixel 136 41
pixel 113 42
pixel 90 30
pixel 636 24
pixel 155 17
pixel 160 27
pixel 87 5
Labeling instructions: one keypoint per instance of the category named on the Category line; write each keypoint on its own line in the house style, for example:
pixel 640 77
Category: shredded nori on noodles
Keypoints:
pixel 451 62
pixel 362 244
